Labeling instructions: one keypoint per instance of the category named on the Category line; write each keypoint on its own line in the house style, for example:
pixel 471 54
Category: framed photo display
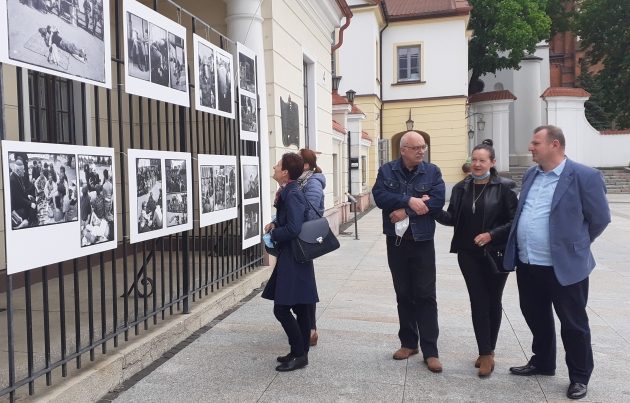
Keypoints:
pixel 155 55
pixel 250 180
pixel 160 193
pixel 247 89
pixel 63 38
pixel 60 202
pixel 218 188
pixel 214 74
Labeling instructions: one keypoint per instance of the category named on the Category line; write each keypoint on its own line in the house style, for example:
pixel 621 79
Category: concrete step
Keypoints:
pixel 617 179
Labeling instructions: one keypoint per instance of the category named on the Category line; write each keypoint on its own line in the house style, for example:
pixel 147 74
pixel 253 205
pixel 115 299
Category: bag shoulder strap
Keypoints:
pixel 309 203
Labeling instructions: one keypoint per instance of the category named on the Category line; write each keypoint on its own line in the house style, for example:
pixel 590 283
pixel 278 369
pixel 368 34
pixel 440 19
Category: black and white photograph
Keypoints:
pixel 42 192
pixel 43 189
pixel 225 89
pixel 246 70
pixel 149 203
pixel 218 188
pixel 249 126
pixel 206 78
pixel 69 39
pixel 176 193
pixel 158 51
pixel 177 62
pixel 138 47
pixel 155 55
pixel 251 225
pixel 159 188
pixel 251 183
pixel 96 199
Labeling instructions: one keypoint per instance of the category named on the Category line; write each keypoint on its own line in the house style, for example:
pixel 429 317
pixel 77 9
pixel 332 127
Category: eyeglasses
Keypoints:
pixel 418 148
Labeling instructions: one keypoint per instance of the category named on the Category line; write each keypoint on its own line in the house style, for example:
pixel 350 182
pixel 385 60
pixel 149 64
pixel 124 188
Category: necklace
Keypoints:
pixel 477 197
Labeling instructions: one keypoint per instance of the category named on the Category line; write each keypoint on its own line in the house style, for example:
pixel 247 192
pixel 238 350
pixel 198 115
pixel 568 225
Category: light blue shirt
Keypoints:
pixel 532 231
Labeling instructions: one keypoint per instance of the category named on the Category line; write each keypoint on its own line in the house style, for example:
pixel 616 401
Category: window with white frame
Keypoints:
pixel 364 169
pixel 408 63
pixel 308 85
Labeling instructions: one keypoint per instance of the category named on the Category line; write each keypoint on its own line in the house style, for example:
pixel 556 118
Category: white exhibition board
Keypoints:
pixel 69 41
pixel 155 55
pixel 58 203
pixel 218 188
pixel 214 71
pixel 160 193
pixel 250 185
pixel 246 64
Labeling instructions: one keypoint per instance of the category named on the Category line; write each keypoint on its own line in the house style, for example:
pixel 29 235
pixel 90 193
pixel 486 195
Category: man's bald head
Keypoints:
pixel 410 136
pixel 412 149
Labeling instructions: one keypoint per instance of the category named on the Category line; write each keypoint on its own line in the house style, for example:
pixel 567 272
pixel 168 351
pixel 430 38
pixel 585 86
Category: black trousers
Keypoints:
pixel 539 290
pixel 313 308
pixel 297 328
pixel 485 290
pixel 412 265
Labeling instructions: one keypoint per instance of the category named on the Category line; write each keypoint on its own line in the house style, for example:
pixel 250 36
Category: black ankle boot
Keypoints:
pixel 293 363
pixel 284 358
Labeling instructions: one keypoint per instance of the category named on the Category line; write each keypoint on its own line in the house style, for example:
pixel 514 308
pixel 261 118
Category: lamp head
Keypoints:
pixel 350 95
pixel 409 122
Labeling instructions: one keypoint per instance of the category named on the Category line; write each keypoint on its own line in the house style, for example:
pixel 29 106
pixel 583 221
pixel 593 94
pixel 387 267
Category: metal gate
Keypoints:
pixel 59 315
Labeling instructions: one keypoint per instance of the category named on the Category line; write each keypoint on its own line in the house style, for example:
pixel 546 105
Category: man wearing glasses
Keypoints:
pixel 408 190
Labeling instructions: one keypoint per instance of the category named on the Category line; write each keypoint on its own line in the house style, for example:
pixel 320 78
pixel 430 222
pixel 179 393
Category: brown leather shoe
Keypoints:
pixel 314 338
pixel 434 364
pixel 403 353
pixel 479 358
pixel 486 365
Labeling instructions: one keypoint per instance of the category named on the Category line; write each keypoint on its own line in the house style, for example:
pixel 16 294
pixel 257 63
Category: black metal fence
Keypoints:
pixel 59 315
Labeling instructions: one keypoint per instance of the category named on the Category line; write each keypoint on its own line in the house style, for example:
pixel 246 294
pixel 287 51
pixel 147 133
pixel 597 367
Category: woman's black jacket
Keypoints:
pixel 499 201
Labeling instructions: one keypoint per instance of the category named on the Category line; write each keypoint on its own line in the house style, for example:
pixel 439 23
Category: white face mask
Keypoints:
pixel 401 228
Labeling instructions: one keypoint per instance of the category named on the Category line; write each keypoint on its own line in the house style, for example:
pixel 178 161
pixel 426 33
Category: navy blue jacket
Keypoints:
pixel 392 191
pixel 291 283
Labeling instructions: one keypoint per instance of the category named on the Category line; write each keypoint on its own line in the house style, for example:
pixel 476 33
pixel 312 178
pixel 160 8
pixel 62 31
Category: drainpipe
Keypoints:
pixel 348 14
pixel 380 79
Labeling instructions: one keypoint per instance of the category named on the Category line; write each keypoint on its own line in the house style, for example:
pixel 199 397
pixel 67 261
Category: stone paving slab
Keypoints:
pixel 357 321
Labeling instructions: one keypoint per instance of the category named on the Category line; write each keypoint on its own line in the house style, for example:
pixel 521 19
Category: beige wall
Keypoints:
pixel 291 32
pixel 443 120
pixel 371 107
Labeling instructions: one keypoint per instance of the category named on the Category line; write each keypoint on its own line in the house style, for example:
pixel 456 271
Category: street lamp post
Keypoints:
pixel 350 95
pixel 478 126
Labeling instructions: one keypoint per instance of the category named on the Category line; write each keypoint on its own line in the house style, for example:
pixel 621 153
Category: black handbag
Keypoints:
pixel 494 256
pixel 314 240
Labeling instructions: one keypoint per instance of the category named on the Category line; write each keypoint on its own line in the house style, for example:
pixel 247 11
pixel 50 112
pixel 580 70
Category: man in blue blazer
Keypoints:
pixel 562 209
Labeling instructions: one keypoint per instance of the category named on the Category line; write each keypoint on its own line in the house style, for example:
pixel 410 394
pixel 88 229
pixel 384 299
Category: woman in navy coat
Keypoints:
pixel 292 285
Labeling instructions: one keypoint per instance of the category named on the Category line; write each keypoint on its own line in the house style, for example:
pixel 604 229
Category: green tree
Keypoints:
pixel 595 113
pixel 503 32
pixel 604 30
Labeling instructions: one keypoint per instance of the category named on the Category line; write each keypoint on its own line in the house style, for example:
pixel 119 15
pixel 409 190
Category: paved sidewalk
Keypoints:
pixel 235 360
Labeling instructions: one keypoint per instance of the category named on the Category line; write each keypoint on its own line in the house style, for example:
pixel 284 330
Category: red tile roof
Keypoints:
pixel 415 9
pixel 355 110
pixel 565 92
pixel 338 127
pixel 338 99
pixel 490 96
pixel 614 132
